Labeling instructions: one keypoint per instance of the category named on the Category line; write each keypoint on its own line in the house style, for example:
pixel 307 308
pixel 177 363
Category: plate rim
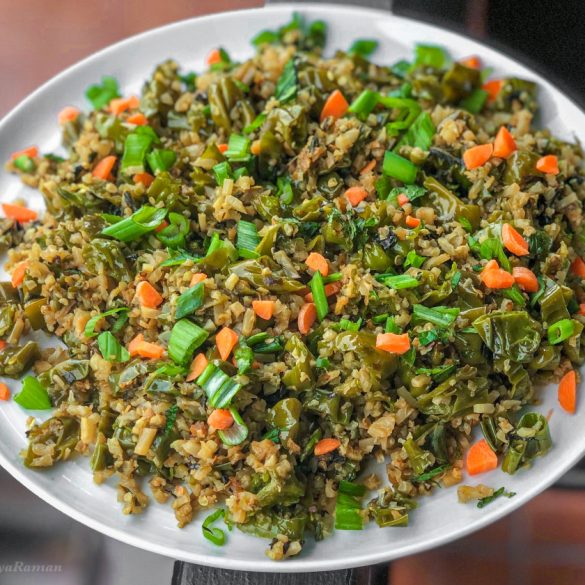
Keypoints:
pixel 295 565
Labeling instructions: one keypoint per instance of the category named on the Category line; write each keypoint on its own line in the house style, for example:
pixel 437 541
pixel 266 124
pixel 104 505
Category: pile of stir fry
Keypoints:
pixel 267 275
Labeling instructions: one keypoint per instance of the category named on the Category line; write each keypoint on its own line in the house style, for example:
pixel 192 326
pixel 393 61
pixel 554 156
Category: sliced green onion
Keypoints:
pixel 257 338
pixel 265 37
pixel 430 474
pixel 439 316
pixel 247 239
pixel 391 327
pixel 287 84
pixel 363 47
pixel 399 168
pixel 214 535
pixel 404 91
pixel 475 101
pixel 222 171
pixel 560 331
pixel 348 506
pixel 347 325
pixel 238 148
pixel 322 363
pixel 101 95
pixel 399 281
pixel 218 386
pixel 33 395
pixel 89 330
pixel 456 279
pixel 24 163
pixel 190 301
pixel 413 259
pixel 185 338
pixel 161 159
pixel 256 123
pixel 401 68
pixel 420 134
pixel 135 148
pixel 189 80
pixel 408 112
pixel 111 349
pixel 141 222
pixel 244 356
pixel 515 295
pixel 284 190
pixel 319 296
pixel 483 502
pixel 273 346
pixel 333 277
pixel 364 103
pixel 173 235
pixel 430 56
pixel 237 433
pixel 378 319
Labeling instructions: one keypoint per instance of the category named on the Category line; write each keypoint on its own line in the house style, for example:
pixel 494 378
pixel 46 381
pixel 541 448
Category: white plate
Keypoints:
pixel 69 487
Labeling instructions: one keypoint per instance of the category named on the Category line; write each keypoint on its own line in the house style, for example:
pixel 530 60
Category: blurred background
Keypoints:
pixel 543 543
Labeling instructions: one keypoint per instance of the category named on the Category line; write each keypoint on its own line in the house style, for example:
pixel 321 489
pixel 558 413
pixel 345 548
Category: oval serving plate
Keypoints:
pixel 69 487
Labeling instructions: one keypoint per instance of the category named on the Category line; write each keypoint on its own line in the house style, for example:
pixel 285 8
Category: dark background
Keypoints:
pixel 543 543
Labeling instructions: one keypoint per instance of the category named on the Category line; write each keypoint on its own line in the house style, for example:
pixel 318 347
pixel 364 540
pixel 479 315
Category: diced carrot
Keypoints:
pixel 548 164
pixel 472 62
pixel 138 119
pixel 18 274
pixel 221 419
pixel 402 199
pixel 393 343
pixel 161 226
pixel 197 278
pixel 145 179
pixel 568 392
pixel 497 278
pixel 331 288
pixel 335 106
pixel 493 263
pixel 504 144
pixel 214 57
pixel 578 267
pixel 307 316
pixel 264 309
pixel 412 222
pixel 355 195
pixel 3 344
pixel 147 295
pixel 582 309
pixel 369 167
pixel 139 347
pixel 513 241
pixel 103 170
pixel 493 88
pixel 477 156
pixel 119 105
pixel 226 340
pixel 19 213
pixel 256 147
pixel 4 392
pixel 222 147
pixel 325 446
pixel 197 366
pixel 68 114
pixel 525 279
pixel 30 151
pixel 481 458
pixel 317 262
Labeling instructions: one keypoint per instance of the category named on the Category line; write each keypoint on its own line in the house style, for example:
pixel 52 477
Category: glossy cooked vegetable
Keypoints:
pixel 269 274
